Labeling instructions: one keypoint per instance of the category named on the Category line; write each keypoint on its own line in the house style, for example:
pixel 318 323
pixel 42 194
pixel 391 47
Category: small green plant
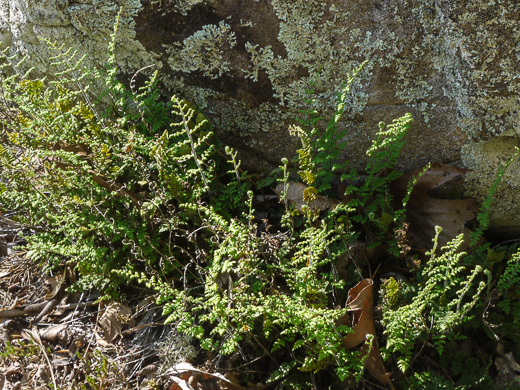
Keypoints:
pixel 372 201
pixel 483 216
pixel 18 350
pixel 100 372
pixel 102 189
pixel 320 155
pixel 441 303
pixel 132 193
pixel 128 187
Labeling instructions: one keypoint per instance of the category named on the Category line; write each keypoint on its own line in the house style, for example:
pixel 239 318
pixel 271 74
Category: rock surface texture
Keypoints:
pixel 248 63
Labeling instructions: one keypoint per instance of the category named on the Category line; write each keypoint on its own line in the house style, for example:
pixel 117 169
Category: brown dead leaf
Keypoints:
pixel 180 384
pixel 360 302
pixel 507 367
pixel 56 334
pixel 113 318
pixel 424 212
pixel 189 377
pixel 56 283
pixel 297 192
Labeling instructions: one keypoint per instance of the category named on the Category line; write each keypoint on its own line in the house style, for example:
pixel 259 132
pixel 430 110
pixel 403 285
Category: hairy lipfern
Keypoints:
pixel 102 189
pixel 320 155
pixel 445 296
pixel 126 186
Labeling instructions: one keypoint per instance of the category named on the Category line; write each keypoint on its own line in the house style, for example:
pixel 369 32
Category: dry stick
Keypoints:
pixel 47 309
pixel 402 372
pixel 79 305
pixel 375 384
pixel 13 313
pixel 136 328
pixel 264 348
pixel 424 344
pixel 39 307
pixel 114 187
pixel 36 337
pixel 29 309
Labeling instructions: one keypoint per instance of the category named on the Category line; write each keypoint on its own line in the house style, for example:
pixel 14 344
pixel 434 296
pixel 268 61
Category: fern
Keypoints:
pixel 483 216
pixel 99 185
pixel 320 156
pixel 511 276
pixel 139 193
pixel 439 306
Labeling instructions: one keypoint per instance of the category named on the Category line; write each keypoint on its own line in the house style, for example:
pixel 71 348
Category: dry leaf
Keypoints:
pixel 113 318
pixel 424 212
pixel 508 369
pixel 147 370
pixel 56 282
pixel 296 193
pixel 360 302
pixel 56 334
pixel 190 377
pixel 180 384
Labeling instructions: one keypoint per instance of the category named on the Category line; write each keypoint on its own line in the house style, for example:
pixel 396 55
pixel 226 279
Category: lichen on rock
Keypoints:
pixel 250 64
pixel 205 51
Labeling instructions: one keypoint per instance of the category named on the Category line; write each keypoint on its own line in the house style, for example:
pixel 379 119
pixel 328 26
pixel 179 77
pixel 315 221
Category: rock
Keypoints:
pixel 248 63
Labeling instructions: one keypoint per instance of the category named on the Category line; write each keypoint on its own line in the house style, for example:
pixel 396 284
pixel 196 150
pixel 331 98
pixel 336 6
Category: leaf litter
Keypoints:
pixel 78 341
pixel 360 302
pixel 424 212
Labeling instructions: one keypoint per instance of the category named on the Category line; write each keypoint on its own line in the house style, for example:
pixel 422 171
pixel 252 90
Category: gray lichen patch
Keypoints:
pixel 251 65
pixel 130 53
pixel 317 45
pixel 48 12
pixel 475 46
pixel 84 25
pixel 314 51
pixel 206 51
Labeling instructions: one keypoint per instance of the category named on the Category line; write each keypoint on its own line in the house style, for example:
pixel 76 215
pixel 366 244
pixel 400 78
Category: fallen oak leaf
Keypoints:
pixel 361 302
pixel 192 378
pixel 114 316
pixel 424 212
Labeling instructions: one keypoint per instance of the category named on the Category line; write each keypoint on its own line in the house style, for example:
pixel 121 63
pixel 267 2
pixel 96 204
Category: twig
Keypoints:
pixel 36 336
pixel 136 328
pixel 40 307
pixel 47 309
pixel 29 309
